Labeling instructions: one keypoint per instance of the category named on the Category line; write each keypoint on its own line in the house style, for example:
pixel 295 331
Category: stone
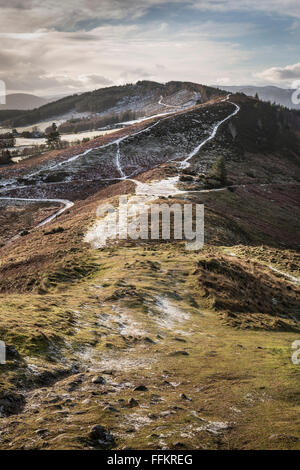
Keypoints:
pixel 132 402
pixel 149 340
pixel 99 380
pixel 180 339
pixel 141 388
pixel 101 435
pixel 42 432
pixel 11 352
pixel 179 353
pixel 111 408
pixel 184 397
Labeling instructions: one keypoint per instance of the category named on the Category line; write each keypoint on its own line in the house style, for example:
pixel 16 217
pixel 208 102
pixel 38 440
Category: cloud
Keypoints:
pixel 70 15
pixel 279 7
pixel 43 81
pixel 58 47
pixel 95 79
pixel 84 15
pixel 285 75
pixel 54 61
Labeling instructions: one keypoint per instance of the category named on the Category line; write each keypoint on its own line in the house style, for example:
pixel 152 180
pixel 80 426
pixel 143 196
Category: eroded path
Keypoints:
pixel 118 165
pixel 148 192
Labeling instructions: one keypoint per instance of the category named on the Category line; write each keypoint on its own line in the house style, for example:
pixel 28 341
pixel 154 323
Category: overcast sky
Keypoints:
pixel 61 46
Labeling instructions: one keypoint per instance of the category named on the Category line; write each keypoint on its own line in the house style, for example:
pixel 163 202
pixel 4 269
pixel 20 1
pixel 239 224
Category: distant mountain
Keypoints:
pixel 273 94
pixel 23 101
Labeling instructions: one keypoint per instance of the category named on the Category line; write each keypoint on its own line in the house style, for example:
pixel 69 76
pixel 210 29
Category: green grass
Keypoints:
pixel 242 378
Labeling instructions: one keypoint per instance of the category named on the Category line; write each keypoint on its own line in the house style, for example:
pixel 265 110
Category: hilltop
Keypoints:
pixel 142 97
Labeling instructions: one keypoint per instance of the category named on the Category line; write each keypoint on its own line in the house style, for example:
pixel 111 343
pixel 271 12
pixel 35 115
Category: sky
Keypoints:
pixel 62 47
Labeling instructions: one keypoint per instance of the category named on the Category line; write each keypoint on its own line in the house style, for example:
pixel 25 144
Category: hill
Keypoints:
pixel 22 101
pixel 142 97
pixel 142 343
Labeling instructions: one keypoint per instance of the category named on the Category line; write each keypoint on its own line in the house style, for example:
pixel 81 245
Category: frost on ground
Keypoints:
pixel 168 315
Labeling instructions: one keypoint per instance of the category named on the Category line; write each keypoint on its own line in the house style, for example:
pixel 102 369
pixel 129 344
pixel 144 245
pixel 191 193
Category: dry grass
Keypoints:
pixel 241 385
pixel 248 294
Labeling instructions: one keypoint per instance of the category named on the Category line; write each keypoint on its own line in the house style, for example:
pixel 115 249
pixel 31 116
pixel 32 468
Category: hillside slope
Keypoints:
pixel 142 97
pixel 164 347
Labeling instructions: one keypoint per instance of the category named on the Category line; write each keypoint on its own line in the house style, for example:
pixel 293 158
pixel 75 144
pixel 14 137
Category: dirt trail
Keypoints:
pixel 118 162
pixel 147 192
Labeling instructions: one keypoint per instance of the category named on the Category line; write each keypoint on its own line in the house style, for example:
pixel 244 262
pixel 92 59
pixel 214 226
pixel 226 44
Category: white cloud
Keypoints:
pixel 282 75
pixel 281 7
pixel 121 53
pixel 60 46
pixel 30 15
pixel 27 16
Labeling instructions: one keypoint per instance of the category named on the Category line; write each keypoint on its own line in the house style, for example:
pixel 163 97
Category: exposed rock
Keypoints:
pixel 108 372
pixel 149 340
pixel 75 383
pixel 179 353
pixel 111 408
pixel 11 403
pixel 99 434
pixel 185 397
pixel 98 380
pixel 179 445
pixel 141 388
pixel 155 398
pixel 132 402
pixel 167 384
pixel 11 352
pixel 42 432
pixel 180 339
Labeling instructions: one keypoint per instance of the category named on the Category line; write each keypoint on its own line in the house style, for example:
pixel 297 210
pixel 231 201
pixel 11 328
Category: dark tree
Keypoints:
pixel 5 157
pixel 7 140
pixel 53 137
pixel 218 170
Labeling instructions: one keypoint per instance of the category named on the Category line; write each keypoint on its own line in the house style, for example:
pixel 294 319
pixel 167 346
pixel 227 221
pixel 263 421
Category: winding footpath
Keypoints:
pixel 155 189
pixel 66 205
pixel 104 228
pixel 147 191
pixel 185 163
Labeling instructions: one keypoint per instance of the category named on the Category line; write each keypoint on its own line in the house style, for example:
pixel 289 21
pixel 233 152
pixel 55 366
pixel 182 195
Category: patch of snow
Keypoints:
pixel 214 427
pixel 122 361
pixel 185 163
pixel 291 278
pixel 167 315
